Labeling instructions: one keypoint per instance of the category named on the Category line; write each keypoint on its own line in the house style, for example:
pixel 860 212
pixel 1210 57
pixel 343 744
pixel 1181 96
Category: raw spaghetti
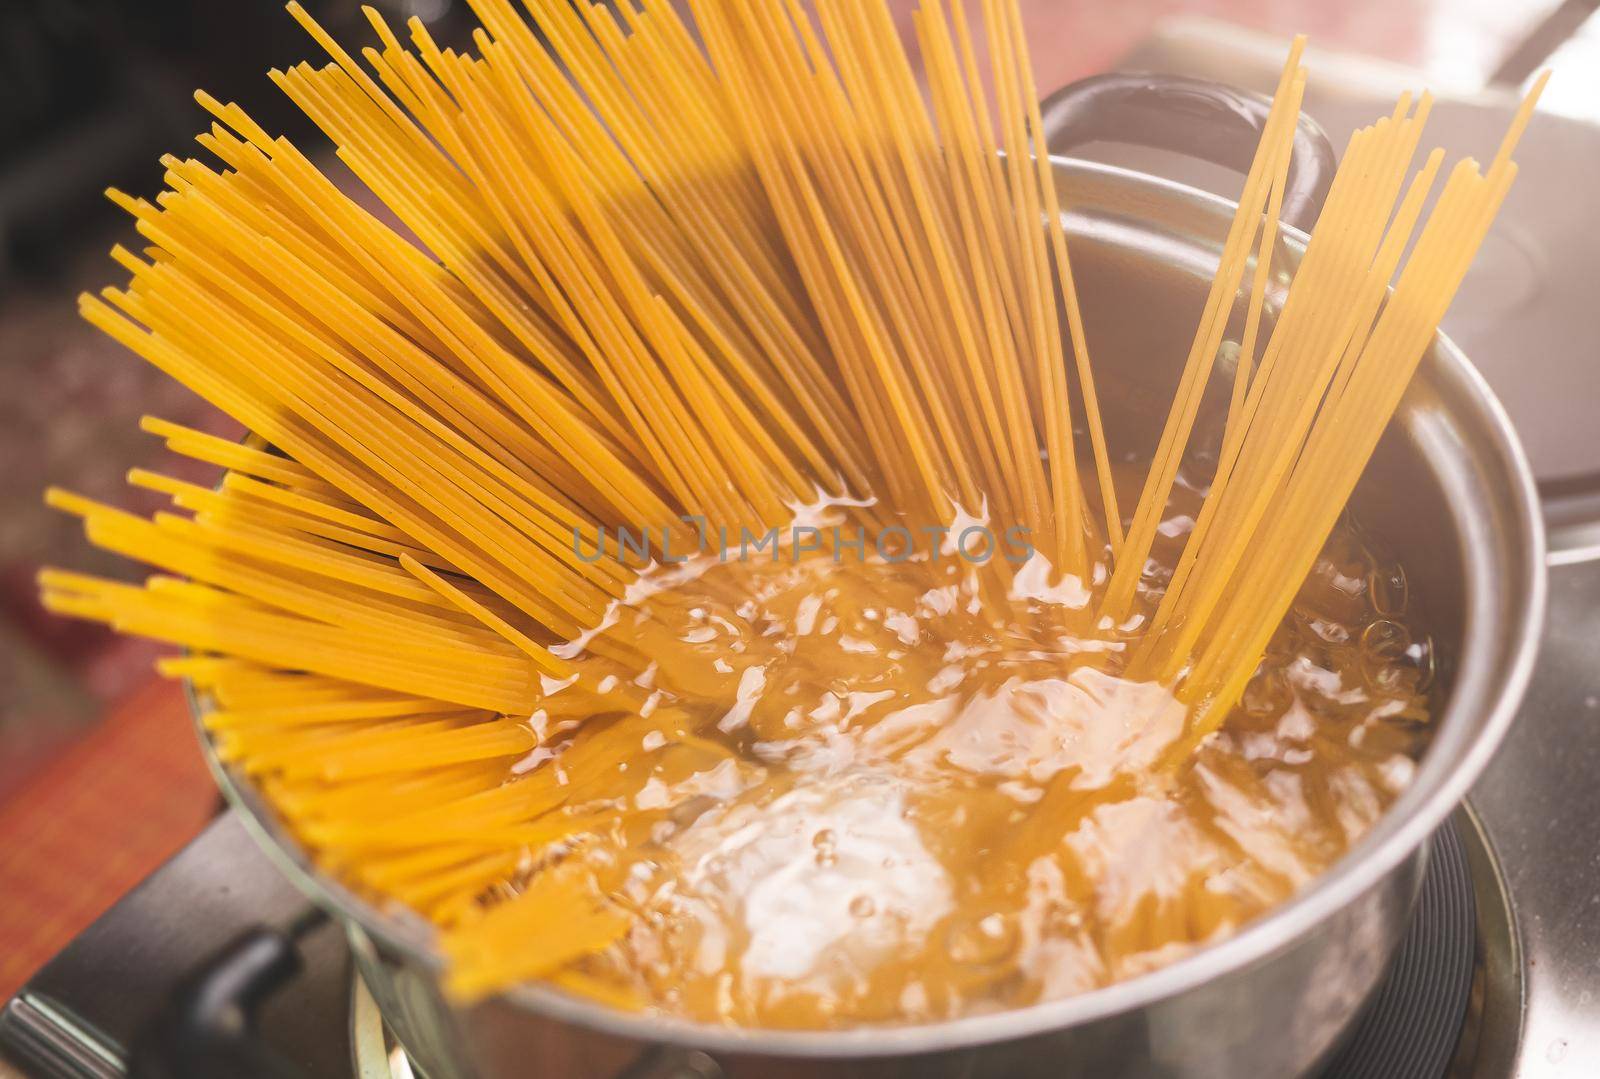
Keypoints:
pixel 746 272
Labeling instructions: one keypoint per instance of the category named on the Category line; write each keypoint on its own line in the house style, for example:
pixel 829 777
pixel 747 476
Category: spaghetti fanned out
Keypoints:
pixel 690 276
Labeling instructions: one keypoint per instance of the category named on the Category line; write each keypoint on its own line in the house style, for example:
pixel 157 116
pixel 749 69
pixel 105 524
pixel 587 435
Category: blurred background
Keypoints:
pixel 100 779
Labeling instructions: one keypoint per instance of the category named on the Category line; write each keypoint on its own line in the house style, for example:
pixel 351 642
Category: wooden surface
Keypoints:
pixel 95 821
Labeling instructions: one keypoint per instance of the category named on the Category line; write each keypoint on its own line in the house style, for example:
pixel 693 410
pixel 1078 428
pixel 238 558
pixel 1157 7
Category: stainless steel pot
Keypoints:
pixel 1448 492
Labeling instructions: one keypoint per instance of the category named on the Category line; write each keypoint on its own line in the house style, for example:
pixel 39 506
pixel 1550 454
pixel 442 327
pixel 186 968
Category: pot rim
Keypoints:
pixel 1403 828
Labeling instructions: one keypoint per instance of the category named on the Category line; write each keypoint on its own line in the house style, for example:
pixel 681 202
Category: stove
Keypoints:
pixel 1499 974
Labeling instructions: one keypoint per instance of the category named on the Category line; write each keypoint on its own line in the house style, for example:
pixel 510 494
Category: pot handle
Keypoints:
pixel 169 981
pixel 209 1027
pixel 1197 117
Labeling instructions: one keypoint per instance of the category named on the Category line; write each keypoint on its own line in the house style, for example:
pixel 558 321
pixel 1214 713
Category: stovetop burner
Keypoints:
pixel 1411 1028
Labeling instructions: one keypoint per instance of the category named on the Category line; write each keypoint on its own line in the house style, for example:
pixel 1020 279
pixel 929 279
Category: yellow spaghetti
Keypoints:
pixel 721 279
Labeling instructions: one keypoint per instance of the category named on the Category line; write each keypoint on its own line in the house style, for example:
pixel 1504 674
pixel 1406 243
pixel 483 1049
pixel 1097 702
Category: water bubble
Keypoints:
pixel 1384 644
pixel 826 844
pixel 984 941
pixel 1385 639
pixel 1422 657
pixel 1388 588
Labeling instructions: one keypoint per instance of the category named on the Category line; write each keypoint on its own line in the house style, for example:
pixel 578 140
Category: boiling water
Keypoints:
pixel 910 801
